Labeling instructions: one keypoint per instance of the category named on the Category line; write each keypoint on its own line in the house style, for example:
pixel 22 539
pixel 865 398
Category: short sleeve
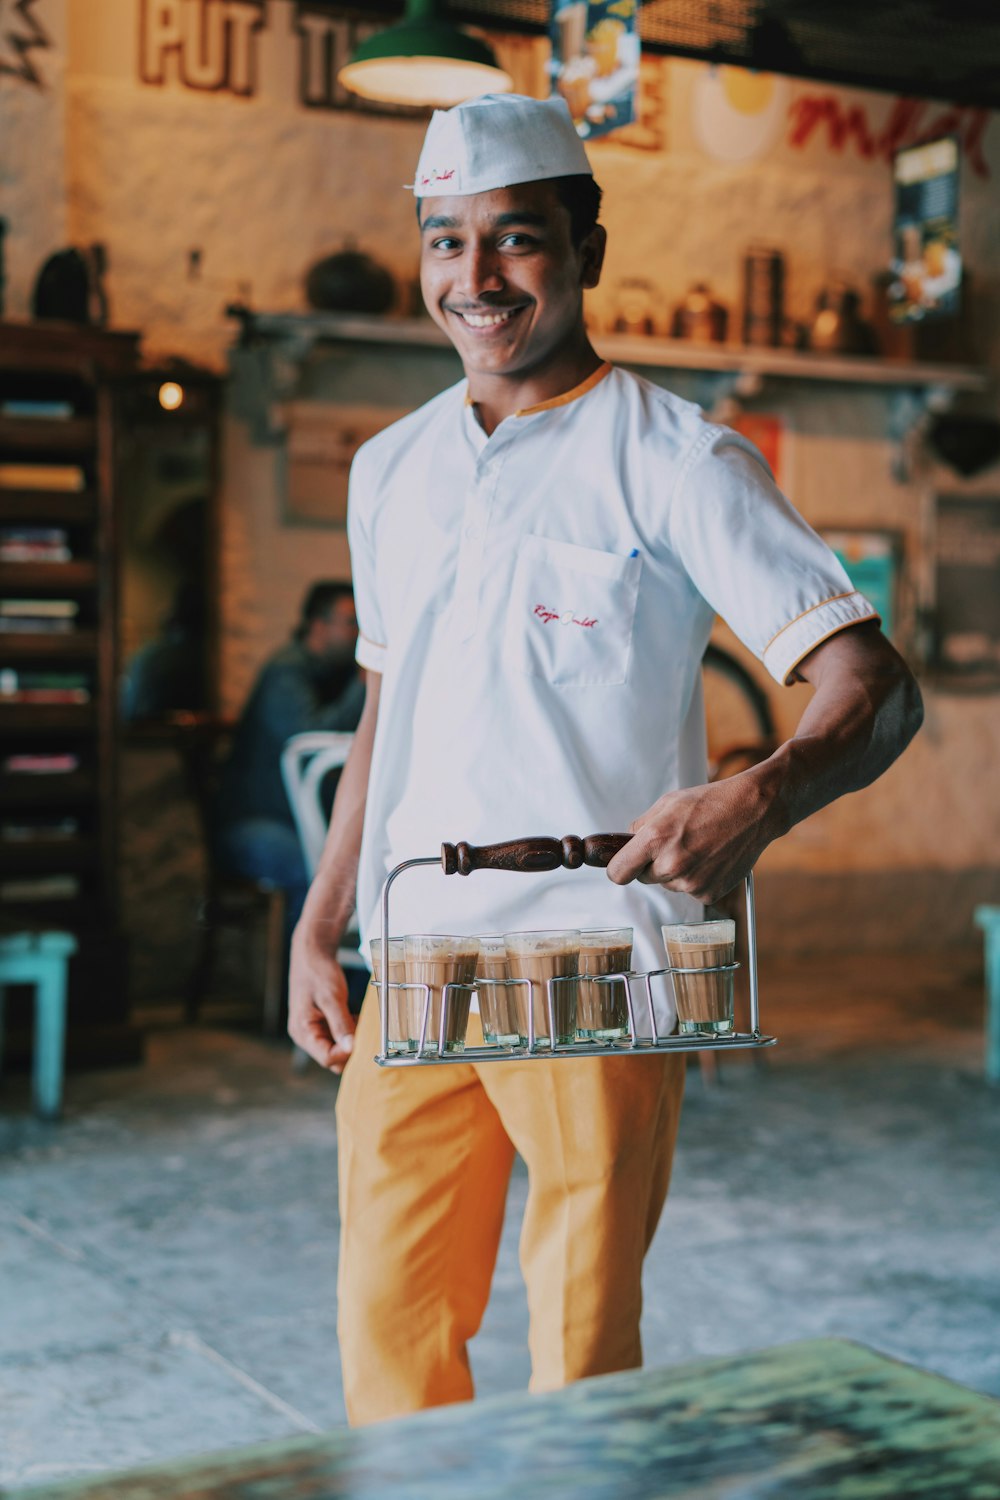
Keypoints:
pixel 372 644
pixel 753 558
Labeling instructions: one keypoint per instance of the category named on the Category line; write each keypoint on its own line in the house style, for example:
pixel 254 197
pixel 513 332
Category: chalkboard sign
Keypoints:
pixel 967 587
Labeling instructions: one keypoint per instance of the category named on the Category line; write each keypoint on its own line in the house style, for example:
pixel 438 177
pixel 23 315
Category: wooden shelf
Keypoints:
pixel 96 370
pixel 18 645
pixel 34 720
pixel 47 578
pixel 48 507
pixel 48 434
pixel 72 788
pixel 664 354
pixel 46 856
pixel 787 364
pixel 62 912
pixel 53 346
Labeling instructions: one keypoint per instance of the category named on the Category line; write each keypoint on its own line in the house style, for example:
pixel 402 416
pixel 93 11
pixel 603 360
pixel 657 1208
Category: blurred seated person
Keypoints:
pixel 311 683
pixel 167 674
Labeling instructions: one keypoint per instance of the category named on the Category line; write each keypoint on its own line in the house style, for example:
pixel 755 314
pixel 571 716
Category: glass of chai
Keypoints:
pixel 499 1029
pixel 437 960
pixel 399 1030
pixel 551 961
pixel 602 1006
pixel 704 999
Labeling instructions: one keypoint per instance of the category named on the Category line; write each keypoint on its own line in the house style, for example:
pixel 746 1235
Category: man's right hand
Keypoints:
pixel 318 1018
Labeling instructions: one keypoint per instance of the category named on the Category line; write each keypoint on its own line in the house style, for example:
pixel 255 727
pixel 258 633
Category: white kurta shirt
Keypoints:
pixel 538 603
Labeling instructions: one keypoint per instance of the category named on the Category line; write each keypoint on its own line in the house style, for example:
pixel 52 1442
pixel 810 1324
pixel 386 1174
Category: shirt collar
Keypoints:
pixel 583 389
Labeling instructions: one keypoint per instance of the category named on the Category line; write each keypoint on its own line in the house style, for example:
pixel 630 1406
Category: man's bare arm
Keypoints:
pixel 865 710
pixel 318 1018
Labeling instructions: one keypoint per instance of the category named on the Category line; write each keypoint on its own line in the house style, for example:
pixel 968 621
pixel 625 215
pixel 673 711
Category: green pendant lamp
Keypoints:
pixel 424 61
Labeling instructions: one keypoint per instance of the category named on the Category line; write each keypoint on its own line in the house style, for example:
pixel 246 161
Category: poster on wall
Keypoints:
pixel 595 62
pixel 927 265
pixel 321 442
pixel 871 559
pixel 967 589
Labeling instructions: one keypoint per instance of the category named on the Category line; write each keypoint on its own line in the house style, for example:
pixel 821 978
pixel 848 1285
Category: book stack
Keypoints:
pixel 40 888
pixel 39 616
pixel 66 478
pixel 43 687
pixel 39 830
pixel 41 410
pixel 41 763
pixel 46 544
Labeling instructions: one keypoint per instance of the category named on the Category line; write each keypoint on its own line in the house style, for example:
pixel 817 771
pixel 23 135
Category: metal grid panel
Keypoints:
pixel 946 49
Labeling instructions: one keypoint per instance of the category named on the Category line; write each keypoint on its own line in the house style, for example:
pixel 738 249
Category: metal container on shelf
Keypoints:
pixel 700 318
pixel 763 297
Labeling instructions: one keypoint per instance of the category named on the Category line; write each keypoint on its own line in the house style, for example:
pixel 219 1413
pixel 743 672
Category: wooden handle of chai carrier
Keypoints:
pixel 531 855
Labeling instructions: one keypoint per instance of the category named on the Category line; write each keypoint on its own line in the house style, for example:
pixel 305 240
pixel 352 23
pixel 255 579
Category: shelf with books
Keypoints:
pixel 50 646
pixel 42 683
pixel 28 856
pixel 47 577
pixel 38 899
pixel 23 791
pixel 42 544
pixel 29 720
pixel 61 400
pixel 70 913
pixel 54 507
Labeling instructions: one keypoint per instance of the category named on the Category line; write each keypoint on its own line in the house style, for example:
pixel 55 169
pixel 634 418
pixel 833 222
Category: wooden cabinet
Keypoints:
pixel 60 397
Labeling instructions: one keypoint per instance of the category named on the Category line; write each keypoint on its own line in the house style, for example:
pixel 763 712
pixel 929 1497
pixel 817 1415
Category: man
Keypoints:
pixel 538 555
pixel 310 683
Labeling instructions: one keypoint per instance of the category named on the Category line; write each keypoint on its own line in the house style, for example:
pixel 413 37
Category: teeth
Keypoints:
pixel 487 320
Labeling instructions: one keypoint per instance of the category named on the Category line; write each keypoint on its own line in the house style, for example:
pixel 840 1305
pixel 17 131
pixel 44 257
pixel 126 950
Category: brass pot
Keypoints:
pixel 700 318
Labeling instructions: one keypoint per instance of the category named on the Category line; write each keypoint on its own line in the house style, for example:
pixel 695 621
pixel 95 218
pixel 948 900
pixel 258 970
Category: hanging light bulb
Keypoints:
pixel 424 61
pixel 170 395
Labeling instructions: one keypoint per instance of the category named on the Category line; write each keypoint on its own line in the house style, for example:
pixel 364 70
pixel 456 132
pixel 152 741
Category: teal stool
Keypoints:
pixel 988 918
pixel 41 958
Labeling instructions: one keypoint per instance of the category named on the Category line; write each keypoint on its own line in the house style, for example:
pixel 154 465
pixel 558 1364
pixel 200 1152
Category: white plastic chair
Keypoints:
pixel 305 761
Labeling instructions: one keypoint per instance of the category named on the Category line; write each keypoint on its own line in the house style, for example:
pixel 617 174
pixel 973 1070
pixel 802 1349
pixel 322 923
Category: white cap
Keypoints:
pixel 495 141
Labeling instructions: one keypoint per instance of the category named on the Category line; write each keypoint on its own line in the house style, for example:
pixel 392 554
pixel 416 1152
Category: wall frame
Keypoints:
pixel 321 439
pixel 872 557
pixel 965 648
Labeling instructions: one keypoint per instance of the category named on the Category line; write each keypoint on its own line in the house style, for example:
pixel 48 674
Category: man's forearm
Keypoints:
pixel 865 710
pixel 332 894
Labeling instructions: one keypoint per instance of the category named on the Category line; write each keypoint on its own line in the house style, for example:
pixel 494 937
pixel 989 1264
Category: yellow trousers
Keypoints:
pixel 425 1156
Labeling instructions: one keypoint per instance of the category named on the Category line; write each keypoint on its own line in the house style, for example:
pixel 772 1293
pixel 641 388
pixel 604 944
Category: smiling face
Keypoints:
pixel 501 276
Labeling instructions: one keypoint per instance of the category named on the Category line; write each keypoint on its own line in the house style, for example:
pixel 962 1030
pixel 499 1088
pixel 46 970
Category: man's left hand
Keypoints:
pixel 702 840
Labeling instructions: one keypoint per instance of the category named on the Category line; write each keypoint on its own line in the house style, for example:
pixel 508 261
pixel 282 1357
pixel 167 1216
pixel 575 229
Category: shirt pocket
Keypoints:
pixel 571 613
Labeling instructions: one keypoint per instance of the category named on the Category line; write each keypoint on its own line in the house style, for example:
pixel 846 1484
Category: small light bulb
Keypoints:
pixel 171 395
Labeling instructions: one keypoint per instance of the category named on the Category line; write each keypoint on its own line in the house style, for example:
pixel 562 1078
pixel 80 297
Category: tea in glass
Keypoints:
pixel 495 994
pixel 438 960
pixel 705 1000
pixel 602 1007
pixel 551 961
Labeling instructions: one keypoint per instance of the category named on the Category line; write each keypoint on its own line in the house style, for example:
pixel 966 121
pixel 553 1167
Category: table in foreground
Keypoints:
pixel 818 1419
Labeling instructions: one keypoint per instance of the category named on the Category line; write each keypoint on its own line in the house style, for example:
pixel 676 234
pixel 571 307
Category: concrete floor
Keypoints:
pixel 168 1252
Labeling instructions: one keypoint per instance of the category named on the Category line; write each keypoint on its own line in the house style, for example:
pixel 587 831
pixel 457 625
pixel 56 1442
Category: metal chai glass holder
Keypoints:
pixel 531 856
